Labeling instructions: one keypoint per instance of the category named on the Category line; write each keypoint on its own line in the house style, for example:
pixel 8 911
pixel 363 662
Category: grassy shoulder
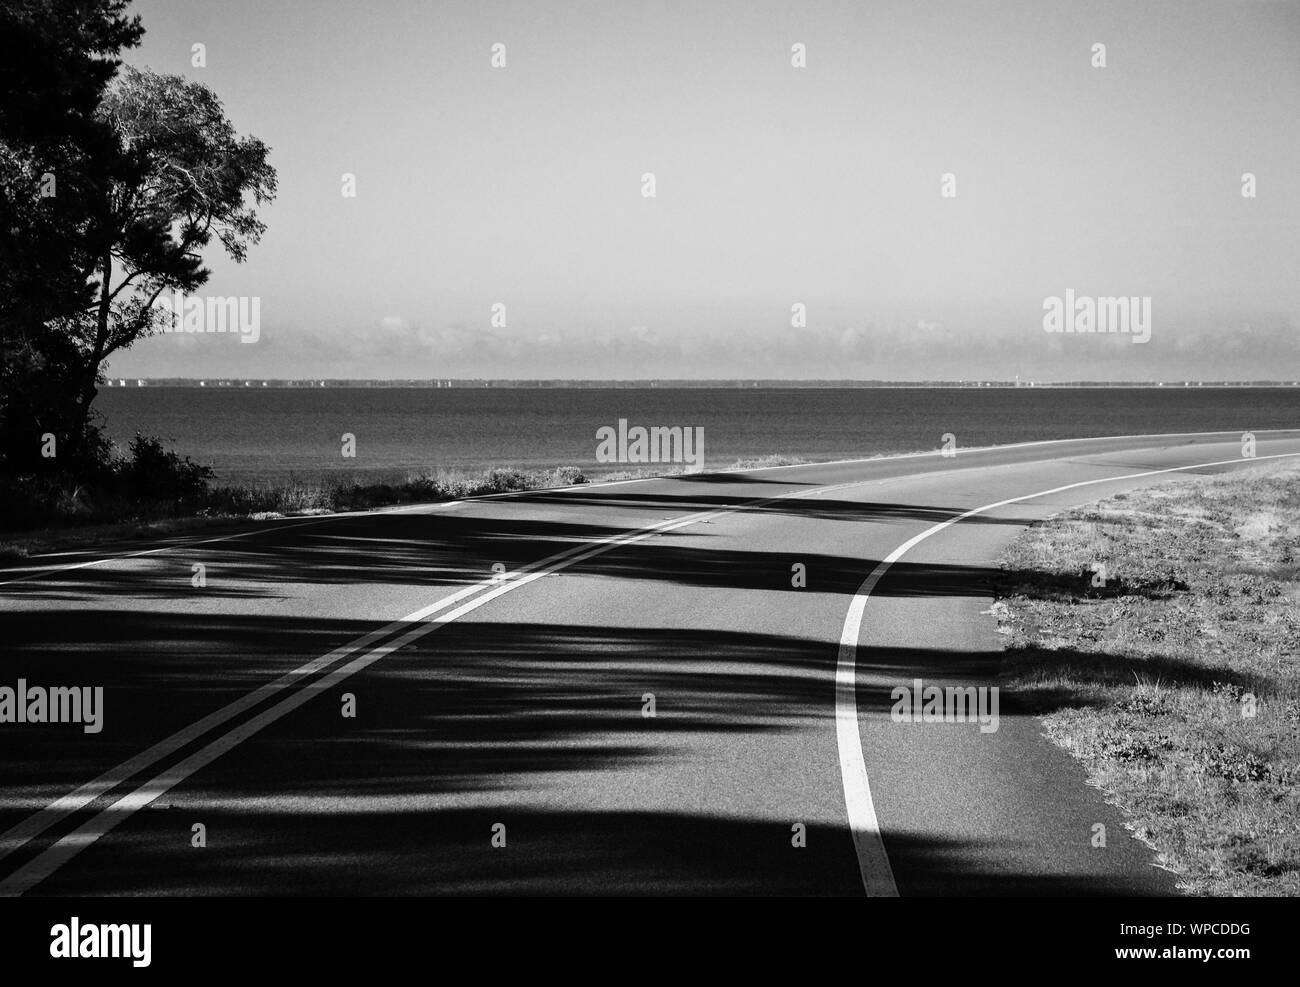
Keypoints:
pixel 176 496
pixel 83 517
pixel 1174 673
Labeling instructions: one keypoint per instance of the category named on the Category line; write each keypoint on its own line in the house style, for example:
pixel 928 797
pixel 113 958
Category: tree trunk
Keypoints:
pixel 90 373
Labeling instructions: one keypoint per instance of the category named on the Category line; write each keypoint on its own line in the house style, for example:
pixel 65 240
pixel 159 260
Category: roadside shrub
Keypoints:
pixel 570 476
pixel 153 482
pixel 153 473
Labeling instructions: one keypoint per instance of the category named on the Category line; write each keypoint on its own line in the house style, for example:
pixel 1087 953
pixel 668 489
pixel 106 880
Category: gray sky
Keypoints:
pixel 775 185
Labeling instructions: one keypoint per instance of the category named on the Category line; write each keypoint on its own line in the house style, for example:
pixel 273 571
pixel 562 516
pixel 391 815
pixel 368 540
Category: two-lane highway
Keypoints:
pixel 665 686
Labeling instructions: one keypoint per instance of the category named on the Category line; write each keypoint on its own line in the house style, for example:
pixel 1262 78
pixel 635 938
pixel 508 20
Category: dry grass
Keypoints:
pixel 1149 679
pixel 223 504
pixel 255 502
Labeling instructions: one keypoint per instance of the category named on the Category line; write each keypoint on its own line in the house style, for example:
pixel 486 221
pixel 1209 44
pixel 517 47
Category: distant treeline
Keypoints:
pixel 668 384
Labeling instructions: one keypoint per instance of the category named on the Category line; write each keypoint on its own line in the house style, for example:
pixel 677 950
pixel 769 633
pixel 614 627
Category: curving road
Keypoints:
pixel 502 656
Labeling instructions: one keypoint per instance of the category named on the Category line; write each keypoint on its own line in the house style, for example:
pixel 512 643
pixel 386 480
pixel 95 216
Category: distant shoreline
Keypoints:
pixel 562 384
pixel 264 433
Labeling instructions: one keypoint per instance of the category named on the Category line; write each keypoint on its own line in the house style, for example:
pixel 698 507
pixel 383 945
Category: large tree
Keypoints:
pixel 57 158
pixel 112 182
pixel 189 177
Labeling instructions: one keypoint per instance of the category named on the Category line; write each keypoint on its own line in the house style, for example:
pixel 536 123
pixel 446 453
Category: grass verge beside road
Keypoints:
pixel 79 518
pixel 103 520
pixel 1174 673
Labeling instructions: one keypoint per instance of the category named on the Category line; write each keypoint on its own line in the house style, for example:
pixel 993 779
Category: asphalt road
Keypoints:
pixel 502 656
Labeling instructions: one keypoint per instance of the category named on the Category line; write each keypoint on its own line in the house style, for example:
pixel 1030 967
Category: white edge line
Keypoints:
pixel 863 822
pixel 873 861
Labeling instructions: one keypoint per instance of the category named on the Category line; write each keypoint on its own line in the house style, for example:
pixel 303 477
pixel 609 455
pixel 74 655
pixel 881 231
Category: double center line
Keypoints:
pixel 302 684
pixel 328 671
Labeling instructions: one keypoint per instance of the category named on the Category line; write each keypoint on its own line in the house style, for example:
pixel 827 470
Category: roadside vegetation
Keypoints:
pixel 1174 675
pixel 152 491
pixel 114 182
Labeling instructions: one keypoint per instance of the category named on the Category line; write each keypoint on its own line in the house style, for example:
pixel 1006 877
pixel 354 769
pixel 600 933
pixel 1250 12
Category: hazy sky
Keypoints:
pixel 775 185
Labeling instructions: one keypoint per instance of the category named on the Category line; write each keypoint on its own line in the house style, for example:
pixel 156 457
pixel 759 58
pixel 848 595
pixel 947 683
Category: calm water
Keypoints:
pixel 275 433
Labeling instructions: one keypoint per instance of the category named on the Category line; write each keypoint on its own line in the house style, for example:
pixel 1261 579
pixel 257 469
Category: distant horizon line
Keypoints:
pixel 666 382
